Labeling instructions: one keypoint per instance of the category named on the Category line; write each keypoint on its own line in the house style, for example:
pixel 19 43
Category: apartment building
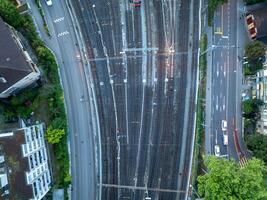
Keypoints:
pixel 24 169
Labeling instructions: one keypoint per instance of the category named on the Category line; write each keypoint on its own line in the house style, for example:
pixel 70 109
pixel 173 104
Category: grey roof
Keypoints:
pixel 13 63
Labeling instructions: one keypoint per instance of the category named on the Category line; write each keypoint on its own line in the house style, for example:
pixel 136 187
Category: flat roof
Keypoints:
pixel 16 165
pixel 259 11
pixel 13 63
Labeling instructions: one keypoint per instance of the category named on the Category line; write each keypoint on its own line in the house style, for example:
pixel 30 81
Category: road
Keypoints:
pixel 144 67
pixel 226 44
pixel 77 93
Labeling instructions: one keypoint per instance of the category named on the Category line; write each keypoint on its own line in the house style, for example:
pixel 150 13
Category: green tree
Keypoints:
pixel 54 135
pixel 258 144
pixel 251 107
pixel 254 51
pixel 226 180
pixel 10 14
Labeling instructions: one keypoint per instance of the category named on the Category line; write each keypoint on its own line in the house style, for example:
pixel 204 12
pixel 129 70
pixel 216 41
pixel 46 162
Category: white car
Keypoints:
pixel 48 2
pixel 224 125
pixel 217 150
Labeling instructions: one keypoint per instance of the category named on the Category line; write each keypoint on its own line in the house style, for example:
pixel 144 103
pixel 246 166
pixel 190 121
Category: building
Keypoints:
pixel 17 70
pixel 24 170
pixel 256 19
pixel 261 93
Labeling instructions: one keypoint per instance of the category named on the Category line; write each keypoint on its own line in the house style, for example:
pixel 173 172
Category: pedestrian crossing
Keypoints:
pixel 242 161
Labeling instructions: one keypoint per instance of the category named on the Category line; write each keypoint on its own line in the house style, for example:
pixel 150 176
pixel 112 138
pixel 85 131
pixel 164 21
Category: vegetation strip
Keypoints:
pixel 198 147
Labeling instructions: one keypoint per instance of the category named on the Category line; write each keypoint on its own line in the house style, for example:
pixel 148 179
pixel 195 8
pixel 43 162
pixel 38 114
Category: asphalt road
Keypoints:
pixel 144 67
pixel 226 50
pixel 77 93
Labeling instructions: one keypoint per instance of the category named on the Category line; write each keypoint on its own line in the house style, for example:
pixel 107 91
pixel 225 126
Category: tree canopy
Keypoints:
pixel 226 180
pixel 254 51
pixel 251 107
pixel 54 135
pixel 258 144
pixel 10 14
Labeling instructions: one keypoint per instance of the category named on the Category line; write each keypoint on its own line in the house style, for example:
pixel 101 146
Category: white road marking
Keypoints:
pixel 63 33
pixel 58 19
pixel 217 101
pixel 217 73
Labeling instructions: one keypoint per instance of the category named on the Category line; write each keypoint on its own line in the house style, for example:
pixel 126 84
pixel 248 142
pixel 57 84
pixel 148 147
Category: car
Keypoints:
pixel 217 150
pixel 225 139
pixel 224 125
pixel 49 2
pixel 136 3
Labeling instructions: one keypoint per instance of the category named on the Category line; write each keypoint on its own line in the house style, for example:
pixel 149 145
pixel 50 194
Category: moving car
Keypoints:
pixel 225 139
pixel 224 125
pixel 136 3
pixel 48 2
pixel 217 150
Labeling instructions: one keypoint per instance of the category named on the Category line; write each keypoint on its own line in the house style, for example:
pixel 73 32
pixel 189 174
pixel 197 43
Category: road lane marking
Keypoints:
pixel 63 33
pixel 217 73
pixel 58 19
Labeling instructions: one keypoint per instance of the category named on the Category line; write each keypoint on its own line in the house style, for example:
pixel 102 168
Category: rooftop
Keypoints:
pixel 15 165
pixel 259 11
pixel 13 63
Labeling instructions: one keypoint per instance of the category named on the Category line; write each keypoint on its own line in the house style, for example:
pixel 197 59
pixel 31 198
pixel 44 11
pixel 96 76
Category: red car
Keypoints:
pixel 136 3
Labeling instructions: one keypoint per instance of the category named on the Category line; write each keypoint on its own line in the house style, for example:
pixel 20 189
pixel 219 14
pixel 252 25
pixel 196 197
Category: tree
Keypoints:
pixel 226 180
pixel 258 144
pixel 54 135
pixel 254 51
pixel 10 14
pixel 251 107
